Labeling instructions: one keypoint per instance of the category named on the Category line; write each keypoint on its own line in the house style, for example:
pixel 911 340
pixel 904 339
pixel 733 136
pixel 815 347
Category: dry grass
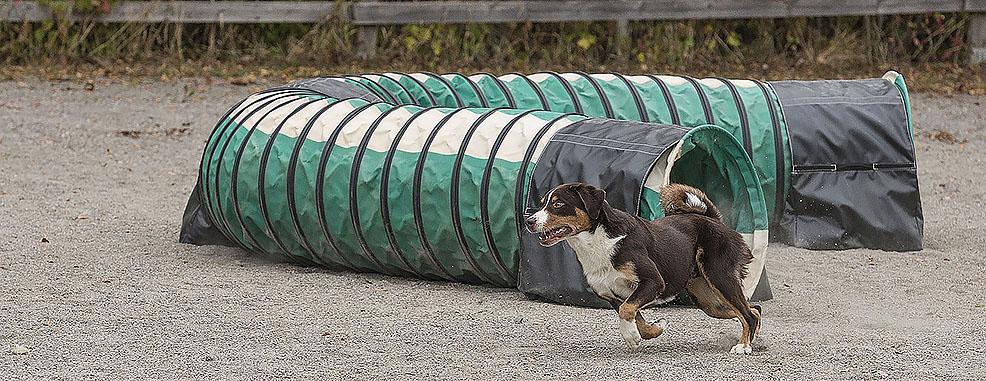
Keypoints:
pixel 928 49
pixel 938 78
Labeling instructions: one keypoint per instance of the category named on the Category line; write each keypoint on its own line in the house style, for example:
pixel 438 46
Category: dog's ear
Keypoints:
pixel 592 199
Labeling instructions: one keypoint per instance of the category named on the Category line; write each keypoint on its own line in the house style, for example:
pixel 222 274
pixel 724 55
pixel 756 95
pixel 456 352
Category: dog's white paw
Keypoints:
pixel 741 349
pixel 628 329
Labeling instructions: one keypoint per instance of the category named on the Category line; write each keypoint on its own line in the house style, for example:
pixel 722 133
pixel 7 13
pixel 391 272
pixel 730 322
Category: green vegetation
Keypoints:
pixel 759 48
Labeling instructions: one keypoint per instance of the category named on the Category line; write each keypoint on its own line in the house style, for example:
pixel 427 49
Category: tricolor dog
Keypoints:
pixel 634 263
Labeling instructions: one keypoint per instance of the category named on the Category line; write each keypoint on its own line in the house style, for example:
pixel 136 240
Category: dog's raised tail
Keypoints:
pixel 681 199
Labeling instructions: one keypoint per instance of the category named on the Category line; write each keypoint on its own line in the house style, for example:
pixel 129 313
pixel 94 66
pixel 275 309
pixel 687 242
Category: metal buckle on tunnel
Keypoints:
pixel 815 168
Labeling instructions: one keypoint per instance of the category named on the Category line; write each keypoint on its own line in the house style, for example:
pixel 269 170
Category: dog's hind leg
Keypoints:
pixel 722 279
pixel 708 299
pixel 713 304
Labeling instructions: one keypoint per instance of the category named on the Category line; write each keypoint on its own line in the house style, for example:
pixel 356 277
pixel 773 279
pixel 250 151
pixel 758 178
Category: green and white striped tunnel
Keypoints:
pixel 425 175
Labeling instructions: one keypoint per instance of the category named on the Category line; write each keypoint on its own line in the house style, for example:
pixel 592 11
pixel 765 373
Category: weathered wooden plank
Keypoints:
pixel 623 28
pixel 366 41
pixel 444 12
pixel 26 11
pixel 439 12
pixel 977 30
pixel 977 37
pixel 236 12
pixel 975 5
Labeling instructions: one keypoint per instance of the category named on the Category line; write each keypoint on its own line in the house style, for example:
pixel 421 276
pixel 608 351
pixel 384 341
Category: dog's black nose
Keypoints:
pixel 531 222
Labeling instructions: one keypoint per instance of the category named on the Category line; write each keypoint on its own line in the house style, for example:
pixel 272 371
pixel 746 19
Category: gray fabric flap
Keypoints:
pixel 334 88
pixel 845 123
pixel 854 180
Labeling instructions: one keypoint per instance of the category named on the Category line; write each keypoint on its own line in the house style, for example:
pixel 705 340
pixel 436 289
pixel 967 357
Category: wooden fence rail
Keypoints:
pixel 369 15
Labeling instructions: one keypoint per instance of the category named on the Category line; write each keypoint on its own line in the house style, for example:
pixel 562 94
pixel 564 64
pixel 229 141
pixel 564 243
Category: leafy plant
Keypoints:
pixel 831 41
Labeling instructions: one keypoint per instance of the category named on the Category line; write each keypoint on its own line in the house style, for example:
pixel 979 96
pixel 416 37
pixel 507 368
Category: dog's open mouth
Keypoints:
pixel 551 237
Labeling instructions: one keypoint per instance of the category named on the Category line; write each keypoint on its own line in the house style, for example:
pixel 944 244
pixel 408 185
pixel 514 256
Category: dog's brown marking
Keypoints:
pixel 647 330
pixel 628 311
pixel 578 222
pixel 708 300
pixel 745 336
pixel 630 272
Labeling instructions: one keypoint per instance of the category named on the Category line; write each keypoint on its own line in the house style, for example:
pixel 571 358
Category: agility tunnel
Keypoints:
pixel 430 175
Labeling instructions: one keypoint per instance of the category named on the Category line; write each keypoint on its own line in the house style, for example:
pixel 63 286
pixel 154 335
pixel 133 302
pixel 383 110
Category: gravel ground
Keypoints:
pixel 95 285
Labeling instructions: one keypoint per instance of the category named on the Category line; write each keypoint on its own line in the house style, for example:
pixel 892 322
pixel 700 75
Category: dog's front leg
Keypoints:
pixel 629 312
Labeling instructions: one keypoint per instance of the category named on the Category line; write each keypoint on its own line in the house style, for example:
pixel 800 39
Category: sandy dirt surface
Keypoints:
pixel 94 284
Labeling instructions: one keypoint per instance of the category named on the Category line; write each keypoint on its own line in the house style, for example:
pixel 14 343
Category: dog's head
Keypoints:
pixel 565 211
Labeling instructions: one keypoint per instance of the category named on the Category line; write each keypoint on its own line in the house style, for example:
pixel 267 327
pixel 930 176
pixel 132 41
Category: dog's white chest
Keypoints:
pixel 595 253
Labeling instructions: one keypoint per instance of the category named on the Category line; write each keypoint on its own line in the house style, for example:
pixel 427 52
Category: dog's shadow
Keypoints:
pixel 665 346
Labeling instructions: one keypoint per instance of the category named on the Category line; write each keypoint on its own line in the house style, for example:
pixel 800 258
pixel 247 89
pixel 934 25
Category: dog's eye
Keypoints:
pixel 558 205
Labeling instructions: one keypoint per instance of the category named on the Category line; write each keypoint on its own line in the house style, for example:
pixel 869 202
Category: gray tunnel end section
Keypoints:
pixel 613 155
pixel 197 226
pixel 854 178
pixel 763 291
